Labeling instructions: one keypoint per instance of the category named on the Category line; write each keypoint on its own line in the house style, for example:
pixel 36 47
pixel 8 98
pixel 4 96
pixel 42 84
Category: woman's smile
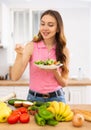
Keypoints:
pixel 48 26
pixel 45 33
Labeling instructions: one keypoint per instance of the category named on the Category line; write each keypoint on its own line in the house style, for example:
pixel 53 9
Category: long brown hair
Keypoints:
pixel 60 38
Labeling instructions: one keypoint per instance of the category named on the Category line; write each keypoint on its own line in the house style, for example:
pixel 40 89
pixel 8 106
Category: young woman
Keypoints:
pixel 45 85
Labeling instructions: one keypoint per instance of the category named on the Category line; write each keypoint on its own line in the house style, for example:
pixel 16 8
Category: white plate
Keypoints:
pixel 49 66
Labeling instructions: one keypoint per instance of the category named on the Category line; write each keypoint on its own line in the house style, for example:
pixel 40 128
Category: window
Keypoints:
pixel 36 21
pixel 20 30
pixel 21 26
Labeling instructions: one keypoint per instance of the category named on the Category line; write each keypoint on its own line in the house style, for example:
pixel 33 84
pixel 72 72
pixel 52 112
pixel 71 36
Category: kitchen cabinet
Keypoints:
pixel 75 95
pixel 88 95
pixel 21 91
pixel 5 90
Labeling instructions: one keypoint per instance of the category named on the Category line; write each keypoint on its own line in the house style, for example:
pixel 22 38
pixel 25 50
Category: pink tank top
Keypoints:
pixel 41 80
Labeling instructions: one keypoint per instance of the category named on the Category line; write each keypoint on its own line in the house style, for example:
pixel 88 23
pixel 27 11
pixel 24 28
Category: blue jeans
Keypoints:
pixel 60 98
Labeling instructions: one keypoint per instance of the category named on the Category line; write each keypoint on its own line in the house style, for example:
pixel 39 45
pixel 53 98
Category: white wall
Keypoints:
pixel 76 25
pixel 44 4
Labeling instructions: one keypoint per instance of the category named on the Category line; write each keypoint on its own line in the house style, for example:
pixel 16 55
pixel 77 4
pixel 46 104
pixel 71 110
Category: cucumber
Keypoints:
pixel 39 103
pixel 11 101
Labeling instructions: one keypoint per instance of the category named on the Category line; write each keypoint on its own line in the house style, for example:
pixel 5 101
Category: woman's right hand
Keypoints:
pixel 19 48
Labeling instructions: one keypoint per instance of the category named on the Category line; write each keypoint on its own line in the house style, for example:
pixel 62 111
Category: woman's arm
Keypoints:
pixel 23 56
pixel 61 77
pixel 62 80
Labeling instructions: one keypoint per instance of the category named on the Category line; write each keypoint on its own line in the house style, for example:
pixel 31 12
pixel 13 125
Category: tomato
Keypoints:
pixel 24 118
pixel 13 118
pixel 23 110
pixel 16 112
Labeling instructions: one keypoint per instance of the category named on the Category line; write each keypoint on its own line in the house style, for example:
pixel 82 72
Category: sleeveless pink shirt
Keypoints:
pixel 41 80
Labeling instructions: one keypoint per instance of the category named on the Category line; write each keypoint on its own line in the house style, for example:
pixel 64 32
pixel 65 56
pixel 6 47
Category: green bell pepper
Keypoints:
pixel 44 113
pixel 52 122
pixel 39 120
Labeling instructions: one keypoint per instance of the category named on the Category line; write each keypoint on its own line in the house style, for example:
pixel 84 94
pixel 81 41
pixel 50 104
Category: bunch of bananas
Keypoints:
pixel 61 111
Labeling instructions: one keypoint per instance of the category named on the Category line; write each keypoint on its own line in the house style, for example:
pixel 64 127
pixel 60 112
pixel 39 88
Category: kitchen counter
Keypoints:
pixel 14 83
pixel 82 82
pixel 61 126
pixel 71 82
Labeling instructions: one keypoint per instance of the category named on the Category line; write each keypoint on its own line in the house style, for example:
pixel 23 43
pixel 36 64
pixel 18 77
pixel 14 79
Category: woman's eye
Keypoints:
pixel 51 25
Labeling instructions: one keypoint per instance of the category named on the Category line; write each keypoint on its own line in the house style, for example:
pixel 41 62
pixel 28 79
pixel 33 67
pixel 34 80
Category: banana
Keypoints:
pixel 66 111
pixel 61 108
pixel 58 117
pixel 55 105
pixel 51 109
pixel 70 116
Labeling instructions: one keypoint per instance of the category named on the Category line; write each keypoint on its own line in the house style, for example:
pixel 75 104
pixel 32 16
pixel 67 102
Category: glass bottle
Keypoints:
pixel 80 73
